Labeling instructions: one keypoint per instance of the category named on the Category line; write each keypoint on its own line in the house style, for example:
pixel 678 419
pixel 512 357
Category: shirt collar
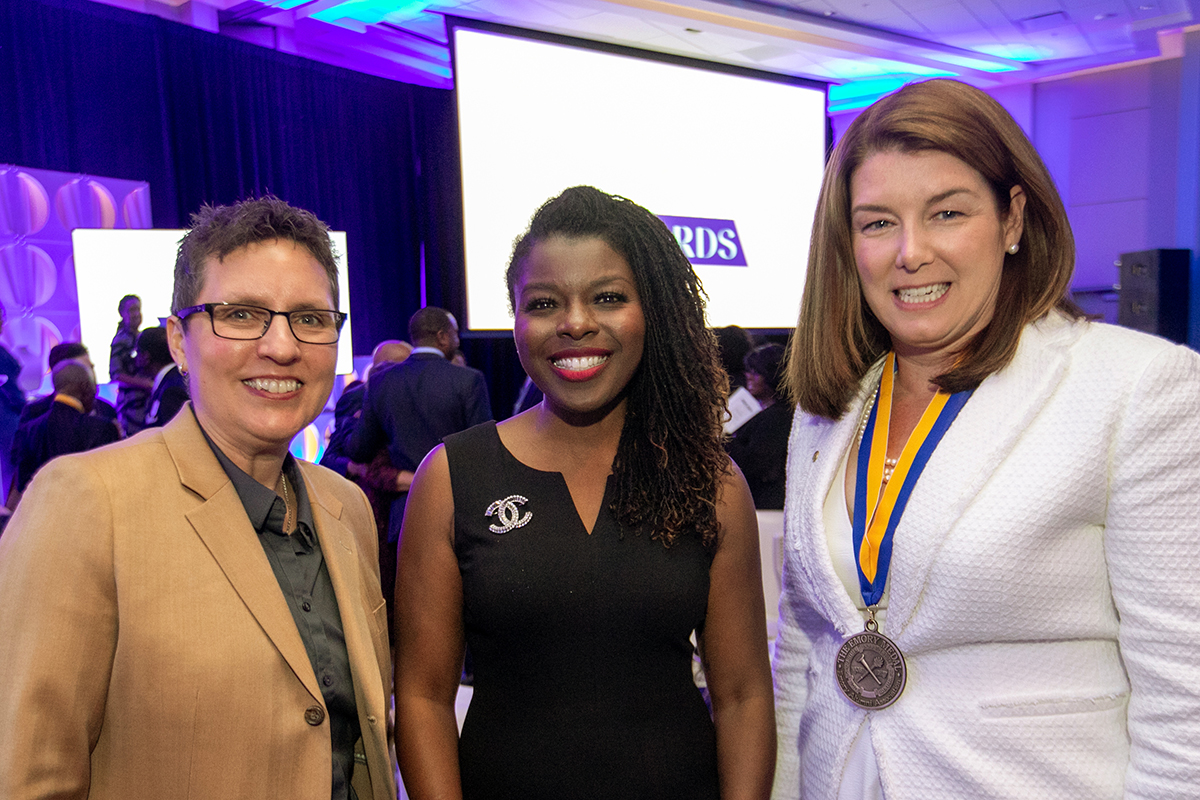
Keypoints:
pixel 418 350
pixel 68 400
pixel 258 499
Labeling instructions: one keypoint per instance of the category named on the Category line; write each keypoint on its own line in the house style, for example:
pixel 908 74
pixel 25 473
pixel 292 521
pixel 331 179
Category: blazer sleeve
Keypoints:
pixel 59 628
pixel 1152 544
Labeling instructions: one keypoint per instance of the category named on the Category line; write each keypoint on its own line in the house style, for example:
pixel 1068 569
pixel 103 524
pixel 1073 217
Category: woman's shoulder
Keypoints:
pixel 475 442
pixel 1084 335
pixel 1112 350
pixel 473 436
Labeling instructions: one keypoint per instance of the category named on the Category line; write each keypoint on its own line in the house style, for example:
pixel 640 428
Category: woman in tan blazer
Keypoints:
pixel 192 613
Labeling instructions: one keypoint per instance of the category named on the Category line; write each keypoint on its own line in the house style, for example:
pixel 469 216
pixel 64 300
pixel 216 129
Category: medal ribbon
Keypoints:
pixel 874 529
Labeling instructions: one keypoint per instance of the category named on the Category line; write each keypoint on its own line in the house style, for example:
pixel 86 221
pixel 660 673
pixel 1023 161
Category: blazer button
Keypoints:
pixel 315 715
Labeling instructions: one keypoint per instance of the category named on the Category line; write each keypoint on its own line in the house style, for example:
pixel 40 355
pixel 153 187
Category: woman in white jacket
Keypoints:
pixel 993 510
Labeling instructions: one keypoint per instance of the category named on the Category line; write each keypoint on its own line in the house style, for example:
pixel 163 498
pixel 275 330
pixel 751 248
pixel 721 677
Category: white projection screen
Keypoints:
pixel 110 264
pixel 733 157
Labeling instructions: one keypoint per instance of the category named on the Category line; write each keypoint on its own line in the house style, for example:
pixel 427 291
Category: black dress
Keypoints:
pixel 580 643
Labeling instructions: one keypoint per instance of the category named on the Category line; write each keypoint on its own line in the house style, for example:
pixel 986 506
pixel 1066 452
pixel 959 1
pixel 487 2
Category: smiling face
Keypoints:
pixel 929 243
pixel 131 314
pixel 579 326
pixel 253 396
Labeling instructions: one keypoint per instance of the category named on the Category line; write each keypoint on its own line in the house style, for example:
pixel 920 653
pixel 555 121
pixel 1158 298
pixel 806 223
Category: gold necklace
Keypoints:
pixel 287 509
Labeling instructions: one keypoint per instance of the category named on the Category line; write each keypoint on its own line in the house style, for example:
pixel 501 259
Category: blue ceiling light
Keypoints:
pixel 371 12
pixel 1025 53
pixel 860 94
pixel 981 64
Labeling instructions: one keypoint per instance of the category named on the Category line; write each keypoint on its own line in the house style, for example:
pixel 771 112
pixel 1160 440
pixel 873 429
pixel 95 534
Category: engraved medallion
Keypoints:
pixel 870 670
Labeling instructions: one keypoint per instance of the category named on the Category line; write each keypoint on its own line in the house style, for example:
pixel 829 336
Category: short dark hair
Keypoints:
pixel 121 303
pixel 838 337
pixel 153 343
pixel 767 360
pixel 217 231
pixel 64 351
pixel 74 379
pixel 735 345
pixel 427 323
pixel 676 398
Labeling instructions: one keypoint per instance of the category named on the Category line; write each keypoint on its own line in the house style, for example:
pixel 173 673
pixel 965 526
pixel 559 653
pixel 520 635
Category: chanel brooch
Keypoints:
pixel 508 513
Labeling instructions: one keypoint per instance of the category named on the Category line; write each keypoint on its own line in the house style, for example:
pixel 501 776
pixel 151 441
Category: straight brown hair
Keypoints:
pixel 838 337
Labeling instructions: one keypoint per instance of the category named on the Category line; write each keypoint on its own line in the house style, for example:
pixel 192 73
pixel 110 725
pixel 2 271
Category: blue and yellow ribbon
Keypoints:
pixel 875 528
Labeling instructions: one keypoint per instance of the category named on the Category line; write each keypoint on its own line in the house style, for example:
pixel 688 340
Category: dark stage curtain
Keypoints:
pixel 207 119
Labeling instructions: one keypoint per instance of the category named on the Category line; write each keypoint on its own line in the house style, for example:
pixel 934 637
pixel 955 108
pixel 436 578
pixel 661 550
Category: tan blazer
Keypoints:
pixel 146 650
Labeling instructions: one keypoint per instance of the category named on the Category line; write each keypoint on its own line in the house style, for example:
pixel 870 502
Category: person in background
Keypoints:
pixel 992 526
pixel 735 344
pixel 66 427
pixel 169 391
pixel 133 388
pixel 759 446
pixel 12 403
pixel 75 351
pixel 193 612
pixel 576 547
pixel 410 406
pixel 527 397
pixel 349 409
pixel 378 478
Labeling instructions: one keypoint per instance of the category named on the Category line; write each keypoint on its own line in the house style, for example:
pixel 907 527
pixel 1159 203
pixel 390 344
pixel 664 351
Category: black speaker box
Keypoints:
pixel 1154 292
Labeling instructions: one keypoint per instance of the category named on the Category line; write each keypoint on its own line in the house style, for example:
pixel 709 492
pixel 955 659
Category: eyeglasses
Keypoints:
pixel 235 321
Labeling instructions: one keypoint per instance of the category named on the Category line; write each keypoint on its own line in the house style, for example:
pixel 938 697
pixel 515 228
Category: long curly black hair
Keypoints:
pixel 670 461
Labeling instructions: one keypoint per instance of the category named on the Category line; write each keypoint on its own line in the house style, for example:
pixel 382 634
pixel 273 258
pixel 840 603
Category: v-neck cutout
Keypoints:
pixel 562 481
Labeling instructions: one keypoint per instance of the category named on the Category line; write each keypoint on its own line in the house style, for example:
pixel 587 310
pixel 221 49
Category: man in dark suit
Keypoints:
pixel 75 351
pixel 410 406
pixel 65 428
pixel 169 391
pixel 349 408
pixel 380 481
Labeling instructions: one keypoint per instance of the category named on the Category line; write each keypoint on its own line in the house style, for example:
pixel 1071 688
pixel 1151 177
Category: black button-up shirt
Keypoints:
pixel 304 579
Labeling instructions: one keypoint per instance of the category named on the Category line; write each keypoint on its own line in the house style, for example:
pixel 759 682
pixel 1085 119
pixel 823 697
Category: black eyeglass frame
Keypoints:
pixel 339 320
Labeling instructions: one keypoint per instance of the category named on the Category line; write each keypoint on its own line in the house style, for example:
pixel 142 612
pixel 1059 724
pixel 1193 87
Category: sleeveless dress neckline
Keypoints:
pixel 552 473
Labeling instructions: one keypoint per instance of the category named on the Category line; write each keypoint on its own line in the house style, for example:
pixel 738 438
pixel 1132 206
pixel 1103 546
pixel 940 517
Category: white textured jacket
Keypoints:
pixel 1045 587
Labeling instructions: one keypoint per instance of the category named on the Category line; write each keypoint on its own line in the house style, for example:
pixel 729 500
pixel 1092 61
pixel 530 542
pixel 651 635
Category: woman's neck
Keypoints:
pixel 915 374
pixel 264 466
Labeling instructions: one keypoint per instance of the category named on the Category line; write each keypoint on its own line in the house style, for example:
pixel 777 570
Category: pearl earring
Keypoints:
pixel 1013 248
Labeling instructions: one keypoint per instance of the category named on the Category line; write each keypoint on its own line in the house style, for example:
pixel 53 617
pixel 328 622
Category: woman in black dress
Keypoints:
pixel 577 546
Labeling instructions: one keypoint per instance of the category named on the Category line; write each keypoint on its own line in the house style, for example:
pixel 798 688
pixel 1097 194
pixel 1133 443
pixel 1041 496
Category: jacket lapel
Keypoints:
pixel 222 524
pixel 983 435
pixel 812 470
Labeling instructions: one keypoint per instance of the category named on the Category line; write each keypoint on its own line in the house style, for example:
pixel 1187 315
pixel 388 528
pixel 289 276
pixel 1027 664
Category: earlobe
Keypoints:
pixel 175 342
pixel 1014 222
